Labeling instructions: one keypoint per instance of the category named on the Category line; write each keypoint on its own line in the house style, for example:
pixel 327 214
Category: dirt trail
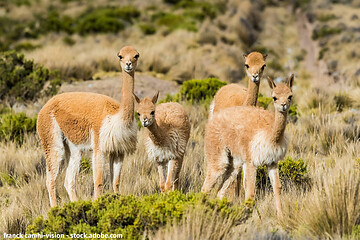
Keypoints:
pixel 318 69
pixel 111 86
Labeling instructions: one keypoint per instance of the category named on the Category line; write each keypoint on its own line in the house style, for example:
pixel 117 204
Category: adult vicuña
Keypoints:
pixel 167 133
pixel 248 137
pixel 236 95
pixel 71 123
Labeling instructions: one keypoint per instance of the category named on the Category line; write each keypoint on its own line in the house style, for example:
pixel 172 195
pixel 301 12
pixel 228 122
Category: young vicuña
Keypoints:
pixel 248 137
pixel 71 123
pixel 236 95
pixel 167 133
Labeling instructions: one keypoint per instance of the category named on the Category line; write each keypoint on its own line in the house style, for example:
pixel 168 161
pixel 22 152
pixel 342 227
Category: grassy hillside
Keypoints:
pixel 66 42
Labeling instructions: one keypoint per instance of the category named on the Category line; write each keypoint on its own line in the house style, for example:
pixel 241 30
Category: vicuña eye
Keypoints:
pixel 247 66
pixel 121 57
pixel 290 97
pixel 152 113
pixel 138 114
pixel 136 56
pixel 274 98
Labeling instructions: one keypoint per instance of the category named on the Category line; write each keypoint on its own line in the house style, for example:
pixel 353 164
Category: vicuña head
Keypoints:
pixel 255 65
pixel 146 109
pixel 248 137
pixel 128 58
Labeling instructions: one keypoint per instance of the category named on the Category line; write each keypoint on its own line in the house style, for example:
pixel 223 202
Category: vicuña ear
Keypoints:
pixel 155 97
pixel 265 56
pixel 290 81
pixel 271 83
pixel 136 98
pixel 245 56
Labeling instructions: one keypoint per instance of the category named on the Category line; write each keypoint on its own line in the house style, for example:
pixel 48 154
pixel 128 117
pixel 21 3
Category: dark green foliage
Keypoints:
pixel 199 10
pixel 85 165
pixel 292 173
pixel 13 127
pixel 129 215
pixel 264 101
pixel 293 112
pixel 275 66
pixel 173 22
pixel 69 41
pixel 25 46
pixel 322 52
pixel 21 79
pixel 108 19
pixel 172 1
pixel 342 101
pixel 196 91
pixel 325 31
pixel 53 22
pixel 147 29
pixel 300 4
pixel 355 234
pixel 199 90
pixel 325 17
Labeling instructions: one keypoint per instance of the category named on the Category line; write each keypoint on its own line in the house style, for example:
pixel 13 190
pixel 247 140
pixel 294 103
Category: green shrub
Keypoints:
pixel 13 127
pixel 325 17
pixel 264 101
pixel 21 79
pixel 172 1
pixel 199 90
pixel 275 66
pixel 129 215
pixel 355 234
pixel 293 113
pixel 147 29
pixel 25 46
pixel 322 52
pixel 108 19
pixel 292 173
pixel 53 22
pixel 85 165
pixel 325 31
pixel 342 101
pixel 173 22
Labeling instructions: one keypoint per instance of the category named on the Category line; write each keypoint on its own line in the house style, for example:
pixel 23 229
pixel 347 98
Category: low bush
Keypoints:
pixel 263 101
pixel 129 215
pixel 147 29
pixel 342 101
pixel 22 79
pixel 326 17
pixel 196 91
pixel 292 173
pixel 13 127
pixel 325 31
pixel 174 22
pixel 107 19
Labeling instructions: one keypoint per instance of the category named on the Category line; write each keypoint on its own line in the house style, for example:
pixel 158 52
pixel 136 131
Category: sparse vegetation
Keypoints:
pixel 14 127
pixel 22 79
pixel 129 215
pixel 325 31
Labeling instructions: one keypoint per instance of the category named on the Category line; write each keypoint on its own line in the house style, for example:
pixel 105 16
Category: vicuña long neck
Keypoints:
pixel 156 134
pixel 278 127
pixel 252 93
pixel 127 99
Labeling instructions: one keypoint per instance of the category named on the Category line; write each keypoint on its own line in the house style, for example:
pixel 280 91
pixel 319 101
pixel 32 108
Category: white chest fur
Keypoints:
pixel 172 148
pixel 263 152
pixel 115 136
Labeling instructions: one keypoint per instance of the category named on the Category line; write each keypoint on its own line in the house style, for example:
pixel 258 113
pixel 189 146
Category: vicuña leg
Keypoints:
pixel 162 176
pixel 172 181
pixel 98 169
pixel 116 161
pixel 230 180
pixel 72 170
pixel 54 156
pixel 276 184
pixel 250 180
